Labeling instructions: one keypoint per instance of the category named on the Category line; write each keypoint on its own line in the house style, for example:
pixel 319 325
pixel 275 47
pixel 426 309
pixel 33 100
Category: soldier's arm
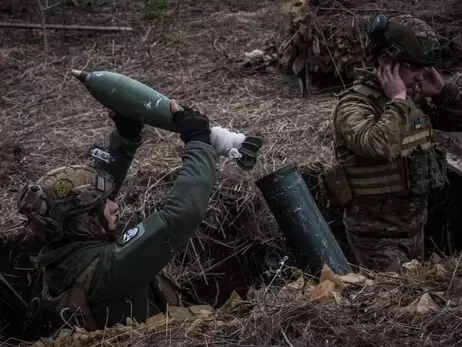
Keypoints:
pixel 449 107
pixel 154 242
pixel 124 141
pixel 368 134
pixel 123 150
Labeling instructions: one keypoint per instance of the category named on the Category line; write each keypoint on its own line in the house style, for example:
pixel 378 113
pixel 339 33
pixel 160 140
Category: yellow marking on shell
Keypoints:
pixel 63 188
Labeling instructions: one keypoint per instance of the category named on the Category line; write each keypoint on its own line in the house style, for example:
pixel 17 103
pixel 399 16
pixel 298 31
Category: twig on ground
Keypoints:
pixel 45 41
pixel 286 339
pixel 454 274
pixel 63 26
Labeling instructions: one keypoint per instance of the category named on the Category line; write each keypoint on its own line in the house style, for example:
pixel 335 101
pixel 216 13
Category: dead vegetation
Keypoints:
pixel 419 305
pixel 193 52
pixel 326 38
pixel 49 120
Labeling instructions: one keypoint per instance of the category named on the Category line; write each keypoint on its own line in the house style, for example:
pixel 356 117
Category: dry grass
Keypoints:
pixel 192 53
pixel 417 306
pixel 328 36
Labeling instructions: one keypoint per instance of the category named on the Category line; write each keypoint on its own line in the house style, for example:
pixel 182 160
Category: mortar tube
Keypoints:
pixel 307 234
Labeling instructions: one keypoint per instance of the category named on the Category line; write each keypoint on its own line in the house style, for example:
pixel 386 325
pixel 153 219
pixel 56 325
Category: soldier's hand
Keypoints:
pixel 193 125
pixel 432 83
pixel 127 127
pixel 390 80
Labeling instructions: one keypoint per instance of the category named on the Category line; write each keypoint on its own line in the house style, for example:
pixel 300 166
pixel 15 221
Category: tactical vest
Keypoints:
pixel 77 296
pixel 400 175
pixel 75 299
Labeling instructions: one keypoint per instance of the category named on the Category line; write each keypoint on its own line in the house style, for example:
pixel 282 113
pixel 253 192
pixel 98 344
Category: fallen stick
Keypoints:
pixel 45 40
pixel 62 26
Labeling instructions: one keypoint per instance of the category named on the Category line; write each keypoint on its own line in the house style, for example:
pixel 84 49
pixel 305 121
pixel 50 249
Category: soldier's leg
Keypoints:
pixel 416 246
pixel 379 253
pixel 385 231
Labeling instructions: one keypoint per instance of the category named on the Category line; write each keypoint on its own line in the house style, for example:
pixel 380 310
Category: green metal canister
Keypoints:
pixel 306 232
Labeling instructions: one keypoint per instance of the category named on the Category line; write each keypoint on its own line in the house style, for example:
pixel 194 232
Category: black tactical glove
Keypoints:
pixel 127 127
pixel 193 125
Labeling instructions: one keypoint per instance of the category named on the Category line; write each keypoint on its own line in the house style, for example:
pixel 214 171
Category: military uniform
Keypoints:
pixel 388 156
pixel 111 281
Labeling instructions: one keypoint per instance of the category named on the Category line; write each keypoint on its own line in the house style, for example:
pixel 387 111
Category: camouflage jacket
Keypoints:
pixel 372 132
pixel 120 287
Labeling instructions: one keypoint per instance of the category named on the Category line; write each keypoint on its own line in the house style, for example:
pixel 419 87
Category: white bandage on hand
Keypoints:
pixel 226 142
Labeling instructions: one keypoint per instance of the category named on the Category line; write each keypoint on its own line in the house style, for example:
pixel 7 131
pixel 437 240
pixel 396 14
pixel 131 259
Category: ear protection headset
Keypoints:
pixel 379 41
pixel 408 48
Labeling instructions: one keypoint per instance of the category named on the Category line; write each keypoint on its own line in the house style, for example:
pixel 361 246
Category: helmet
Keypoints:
pixel 404 38
pixel 61 193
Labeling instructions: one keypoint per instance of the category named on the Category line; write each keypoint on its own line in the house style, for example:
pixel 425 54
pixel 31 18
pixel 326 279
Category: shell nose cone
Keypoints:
pixel 80 75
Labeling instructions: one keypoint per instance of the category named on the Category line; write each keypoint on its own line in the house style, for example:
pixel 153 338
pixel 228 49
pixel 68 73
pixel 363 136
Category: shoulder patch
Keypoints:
pixel 129 234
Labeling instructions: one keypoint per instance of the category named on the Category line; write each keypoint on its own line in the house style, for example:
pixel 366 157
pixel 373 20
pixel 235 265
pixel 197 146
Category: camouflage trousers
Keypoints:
pixel 385 230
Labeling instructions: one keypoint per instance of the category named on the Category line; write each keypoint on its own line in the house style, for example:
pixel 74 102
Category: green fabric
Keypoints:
pixel 418 172
pixel 364 132
pixel 404 36
pixel 123 151
pixel 120 287
pixel 407 39
pixel 426 36
pixel 65 263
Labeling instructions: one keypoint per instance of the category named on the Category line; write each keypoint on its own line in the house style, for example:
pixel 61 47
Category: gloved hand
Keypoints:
pixel 127 127
pixel 193 125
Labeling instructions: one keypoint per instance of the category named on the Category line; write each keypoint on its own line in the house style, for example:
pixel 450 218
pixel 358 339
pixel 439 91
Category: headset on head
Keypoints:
pixel 378 38
pixel 376 30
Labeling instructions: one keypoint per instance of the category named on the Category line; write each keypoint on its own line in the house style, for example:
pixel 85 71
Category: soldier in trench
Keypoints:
pixel 384 144
pixel 86 266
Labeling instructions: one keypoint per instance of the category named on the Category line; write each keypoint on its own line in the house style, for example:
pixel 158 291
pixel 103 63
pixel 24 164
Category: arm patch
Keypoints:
pixel 129 234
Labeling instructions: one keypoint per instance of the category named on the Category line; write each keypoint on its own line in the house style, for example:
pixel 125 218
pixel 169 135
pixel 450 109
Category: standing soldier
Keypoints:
pixel 384 144
pixel 85 265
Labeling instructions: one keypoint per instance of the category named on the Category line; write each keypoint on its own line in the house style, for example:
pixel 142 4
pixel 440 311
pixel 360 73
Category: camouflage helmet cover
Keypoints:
pixel 404 38
pixel 63 192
